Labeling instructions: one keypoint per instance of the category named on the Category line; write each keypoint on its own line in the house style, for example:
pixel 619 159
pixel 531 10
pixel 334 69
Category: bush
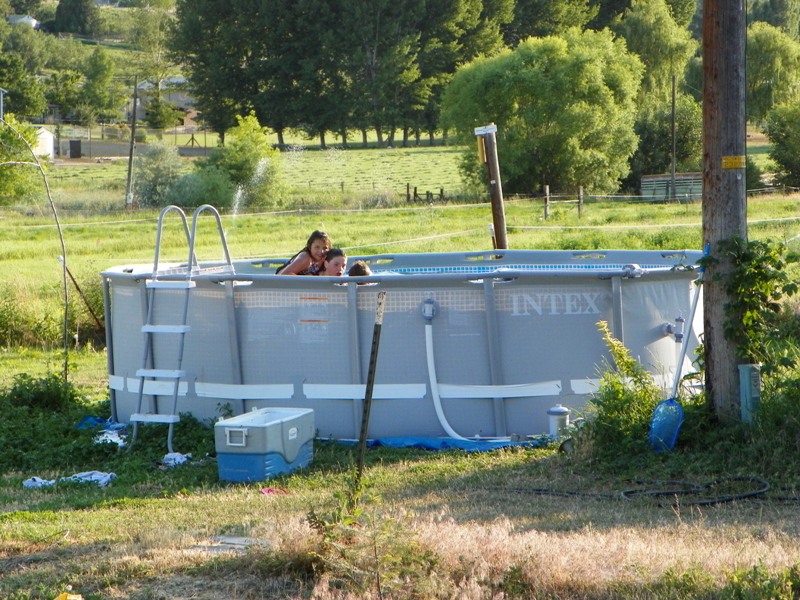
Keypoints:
pixel 250 162
pixel 158 167
pixel 621 411
pixel 49 393
pixel 783 131
pixel 209 185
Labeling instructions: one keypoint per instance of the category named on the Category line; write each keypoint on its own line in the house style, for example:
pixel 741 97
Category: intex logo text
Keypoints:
pixel 571 303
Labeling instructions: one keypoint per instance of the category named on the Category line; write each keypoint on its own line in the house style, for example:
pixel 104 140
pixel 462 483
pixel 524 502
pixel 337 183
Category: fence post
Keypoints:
pixel 408 192
pixel 546 202
pixel 580 201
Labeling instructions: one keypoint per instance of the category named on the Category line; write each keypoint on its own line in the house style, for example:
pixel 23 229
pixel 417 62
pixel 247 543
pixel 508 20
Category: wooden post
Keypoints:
pixel 580 201
pixel 486 134
pixel 724 200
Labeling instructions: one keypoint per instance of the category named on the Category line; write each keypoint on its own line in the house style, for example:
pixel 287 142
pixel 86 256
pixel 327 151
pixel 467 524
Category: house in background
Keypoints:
pixel 23 20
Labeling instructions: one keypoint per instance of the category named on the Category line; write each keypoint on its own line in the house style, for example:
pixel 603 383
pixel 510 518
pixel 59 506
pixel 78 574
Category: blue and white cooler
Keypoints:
pixel 264 443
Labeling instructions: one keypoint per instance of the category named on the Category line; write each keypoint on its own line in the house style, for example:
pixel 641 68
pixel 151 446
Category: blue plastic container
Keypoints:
pixel 665 426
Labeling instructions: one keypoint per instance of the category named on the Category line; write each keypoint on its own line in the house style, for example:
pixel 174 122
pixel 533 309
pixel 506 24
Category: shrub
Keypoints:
pixel 783 131
pixel 158 167
pixel 621 411
pixel 208 185
pixel 49 393
pixel 250 162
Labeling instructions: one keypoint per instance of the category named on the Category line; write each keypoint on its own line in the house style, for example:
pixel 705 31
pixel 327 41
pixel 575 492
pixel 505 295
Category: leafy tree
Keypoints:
pixel 783 14
pixel 99 89
pixel 564 108
pixel 539 18
pixel 663 46
pixel 77 16
pixel 249 160
pixel 162 114
pixel 150 34
pixel 383 71
pixel 208 39
pixel 63 90
pixel 683 11
pixel 452 35
pixel 16 180
pixel 25 97
pixel 29 44
pixel 654 129
pixel 607 11
pixel 773 68
pixel 25 7
pixel 783 131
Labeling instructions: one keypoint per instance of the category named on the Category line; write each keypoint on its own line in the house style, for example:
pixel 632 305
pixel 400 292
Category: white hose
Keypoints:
pixel 685 341
pixel 437 401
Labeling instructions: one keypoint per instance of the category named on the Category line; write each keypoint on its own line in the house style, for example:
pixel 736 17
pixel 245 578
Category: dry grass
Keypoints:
pixel 491 533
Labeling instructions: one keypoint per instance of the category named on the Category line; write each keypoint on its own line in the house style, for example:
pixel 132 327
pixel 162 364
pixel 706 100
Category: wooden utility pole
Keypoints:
pixel 487 145
pixel 724 200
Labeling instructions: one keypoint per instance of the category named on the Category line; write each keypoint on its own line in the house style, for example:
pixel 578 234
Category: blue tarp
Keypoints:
pixel 435 443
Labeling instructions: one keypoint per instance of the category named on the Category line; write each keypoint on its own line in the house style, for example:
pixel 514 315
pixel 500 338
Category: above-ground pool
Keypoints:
pixel 471 343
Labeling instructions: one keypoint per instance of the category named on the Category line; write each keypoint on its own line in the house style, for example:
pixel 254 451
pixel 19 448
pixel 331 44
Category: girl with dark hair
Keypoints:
pixel 309 260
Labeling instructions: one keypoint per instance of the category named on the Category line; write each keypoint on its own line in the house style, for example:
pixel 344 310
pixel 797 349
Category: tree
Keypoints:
pixel 77 16
pixel 654 129
pixel 99 89
pixel 29 44
pixel 540 18
pixel 564 108
pixel 25 97
pixel 783 131
pixel 161 114
pixel 663 46
pixel 63 90
pixel 16 180
pixel 208 39
pixel 783 14
pixel 150 35
pixel 25 7
pixel 773 68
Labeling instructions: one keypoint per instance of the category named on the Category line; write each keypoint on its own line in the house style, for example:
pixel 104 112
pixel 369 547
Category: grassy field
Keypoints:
pixel 519 523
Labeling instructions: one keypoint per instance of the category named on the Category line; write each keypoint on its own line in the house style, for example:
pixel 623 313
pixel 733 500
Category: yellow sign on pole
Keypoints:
pixel 734 162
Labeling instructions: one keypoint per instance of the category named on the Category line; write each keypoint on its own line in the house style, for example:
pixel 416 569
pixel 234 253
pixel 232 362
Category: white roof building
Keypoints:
pixel 23 20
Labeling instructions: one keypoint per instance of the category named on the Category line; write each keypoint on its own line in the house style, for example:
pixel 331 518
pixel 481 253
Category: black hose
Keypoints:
pixel 677 490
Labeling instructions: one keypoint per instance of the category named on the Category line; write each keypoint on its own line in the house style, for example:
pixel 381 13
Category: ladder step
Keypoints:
pixel 166 328
pixel 153 418
pixel 161 373
pixel 170 284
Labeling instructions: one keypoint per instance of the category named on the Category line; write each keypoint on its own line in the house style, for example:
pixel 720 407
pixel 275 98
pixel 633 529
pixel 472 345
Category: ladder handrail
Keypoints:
pixel 198 211
pixel 164 211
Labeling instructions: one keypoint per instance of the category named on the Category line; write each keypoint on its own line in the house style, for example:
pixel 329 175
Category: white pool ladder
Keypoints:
pixel 169 370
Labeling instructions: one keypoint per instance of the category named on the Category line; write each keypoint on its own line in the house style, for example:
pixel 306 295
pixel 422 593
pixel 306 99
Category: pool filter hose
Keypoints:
pixel 428 311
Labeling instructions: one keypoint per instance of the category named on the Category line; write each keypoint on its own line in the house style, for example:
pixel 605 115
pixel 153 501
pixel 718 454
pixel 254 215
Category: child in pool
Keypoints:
pixel 334 264
pixel 359 269
pixel 309 260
